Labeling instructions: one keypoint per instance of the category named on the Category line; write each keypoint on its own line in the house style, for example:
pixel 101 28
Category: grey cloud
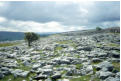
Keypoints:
pixel 68 14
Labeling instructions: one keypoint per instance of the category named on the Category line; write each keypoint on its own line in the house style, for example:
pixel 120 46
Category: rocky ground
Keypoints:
pixel 58 57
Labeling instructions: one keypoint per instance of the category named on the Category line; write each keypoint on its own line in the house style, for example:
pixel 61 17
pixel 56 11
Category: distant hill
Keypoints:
pixel 11 36
pixel 92 31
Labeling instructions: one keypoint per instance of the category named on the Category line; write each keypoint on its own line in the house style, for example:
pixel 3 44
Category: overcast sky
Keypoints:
pixel 54 16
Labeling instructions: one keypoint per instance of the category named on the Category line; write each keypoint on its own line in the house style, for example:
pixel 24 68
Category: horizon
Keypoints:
pixel 57 32
pixel 54 16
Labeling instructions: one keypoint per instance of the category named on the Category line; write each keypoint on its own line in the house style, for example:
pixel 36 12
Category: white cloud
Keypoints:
pixel 32 26
pixel 2 4
pixel 111 23
pixel 2 19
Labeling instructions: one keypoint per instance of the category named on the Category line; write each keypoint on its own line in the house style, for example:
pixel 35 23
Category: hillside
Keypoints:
pixel 87 55
pixel 12 36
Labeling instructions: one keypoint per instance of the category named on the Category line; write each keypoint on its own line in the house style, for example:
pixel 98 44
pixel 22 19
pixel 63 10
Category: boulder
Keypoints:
pixel 84 48
pixel 26 63
pixel 112 79
pixel 57 75
pixel 105 66
pixel 115 54
pixel 103 75
pixel 48 67
pixel 96 60
pixel 61 61
pixel 35 66
pixel 89 69
pixel 40 76
pixel 18 72
pixel 1 75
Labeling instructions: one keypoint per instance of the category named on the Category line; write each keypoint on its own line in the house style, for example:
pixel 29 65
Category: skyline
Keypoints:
pixel 53 16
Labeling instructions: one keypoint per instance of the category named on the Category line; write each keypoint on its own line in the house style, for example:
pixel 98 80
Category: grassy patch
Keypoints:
pixel 78 66
pixel 63 42
pixel 63 72
pixel 58 48
pixel 114 45
pixel 85 78
pixel 99 45
pixel 95 63
pixel 8 77
pixel 73 45
pixel 116 66
pixel 94 70
pixel 118 51
pixel 22 66
pixel 40 51
pixel 8 44
pixel 77 56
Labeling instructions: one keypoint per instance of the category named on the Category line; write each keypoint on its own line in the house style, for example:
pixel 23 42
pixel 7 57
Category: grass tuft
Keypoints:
pixel 116 66
pixel 8 44
pixel 78 66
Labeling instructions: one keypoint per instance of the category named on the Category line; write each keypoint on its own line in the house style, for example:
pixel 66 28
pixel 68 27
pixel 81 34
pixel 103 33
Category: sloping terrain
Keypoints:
pixel 10 36
pixel 63 57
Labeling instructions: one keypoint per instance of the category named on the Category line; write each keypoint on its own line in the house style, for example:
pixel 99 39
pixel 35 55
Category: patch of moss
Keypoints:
pixel 116 66
pixel 95 63
pixel 77 56
pixel 8 44
pixel 94 70
pixel 99 45
pixel 78 66
pixel 63 42
pixel 114 45
pixel 73 44
pixel 58 48
pixel 57 66
pixel 118 51
pixel 63 72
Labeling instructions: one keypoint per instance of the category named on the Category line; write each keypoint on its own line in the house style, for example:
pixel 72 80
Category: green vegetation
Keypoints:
pixel 94 70
pixel 11 78
pixel 73 45
pixel 95 63
pixel 78 66
pixel 40 51
pixel 85 78
pixel 63 72
pixel 58 48
pixel 98 45
pixel 77 56
pixel 8 44
pixel 98 28
pixel 22 66
pixel 114 45
pixel 63 42
pixel 116 66
pixel 30 37
pixel 118 51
